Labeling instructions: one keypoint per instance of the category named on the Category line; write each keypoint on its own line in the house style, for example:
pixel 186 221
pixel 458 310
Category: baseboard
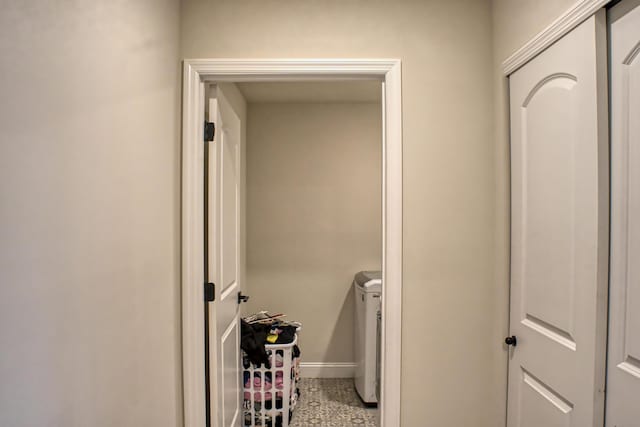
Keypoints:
pixel 327 370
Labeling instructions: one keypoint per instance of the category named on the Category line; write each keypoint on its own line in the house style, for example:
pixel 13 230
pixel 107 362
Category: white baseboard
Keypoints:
pixel 327 370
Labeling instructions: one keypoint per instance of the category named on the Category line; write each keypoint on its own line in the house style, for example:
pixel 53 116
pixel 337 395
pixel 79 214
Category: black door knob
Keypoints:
pixel 512 340
pixel 242 298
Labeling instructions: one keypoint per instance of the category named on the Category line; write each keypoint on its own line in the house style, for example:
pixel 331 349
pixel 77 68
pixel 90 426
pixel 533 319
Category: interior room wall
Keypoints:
pixel 514 23
pixel 314 215
pixel 453 360
pixel 89 213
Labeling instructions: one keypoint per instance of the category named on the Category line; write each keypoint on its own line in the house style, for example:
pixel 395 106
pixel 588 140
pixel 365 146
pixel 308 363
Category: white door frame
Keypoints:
pixel 200 71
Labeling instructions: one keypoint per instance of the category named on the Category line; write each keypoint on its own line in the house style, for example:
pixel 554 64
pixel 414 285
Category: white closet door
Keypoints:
pixel 559 220
pixel 623 380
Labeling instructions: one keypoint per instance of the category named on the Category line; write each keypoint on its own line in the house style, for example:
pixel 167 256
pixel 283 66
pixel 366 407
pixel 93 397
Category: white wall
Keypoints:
pixel 89 213
pixel 314 219
pixel 452 354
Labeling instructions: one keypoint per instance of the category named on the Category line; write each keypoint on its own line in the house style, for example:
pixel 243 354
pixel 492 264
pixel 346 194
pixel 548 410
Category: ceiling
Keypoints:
pixel 312 92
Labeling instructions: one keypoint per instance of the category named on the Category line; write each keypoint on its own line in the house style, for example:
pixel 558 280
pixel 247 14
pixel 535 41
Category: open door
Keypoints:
pixel 559 233
pixel 223 225
pixel 623 379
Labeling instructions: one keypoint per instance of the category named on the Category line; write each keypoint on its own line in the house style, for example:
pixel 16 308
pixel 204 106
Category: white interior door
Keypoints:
pixel 623 379
pixel 559 238
pixel 223 263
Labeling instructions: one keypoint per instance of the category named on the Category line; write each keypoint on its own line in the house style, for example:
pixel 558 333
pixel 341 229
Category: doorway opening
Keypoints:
pixel 254 77
pixel 313 198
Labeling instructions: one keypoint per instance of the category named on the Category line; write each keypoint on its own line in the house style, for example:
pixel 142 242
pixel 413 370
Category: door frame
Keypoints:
pixel 197 73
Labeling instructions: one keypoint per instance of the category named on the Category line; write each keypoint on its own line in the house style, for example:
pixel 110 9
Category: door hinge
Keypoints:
pixel 209 292
pixel 209 131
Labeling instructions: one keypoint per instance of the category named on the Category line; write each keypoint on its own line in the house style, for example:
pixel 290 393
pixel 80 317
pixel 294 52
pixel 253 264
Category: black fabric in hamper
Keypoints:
pixel 252 342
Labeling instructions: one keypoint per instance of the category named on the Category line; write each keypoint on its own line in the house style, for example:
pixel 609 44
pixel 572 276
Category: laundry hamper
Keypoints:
pixel 270 395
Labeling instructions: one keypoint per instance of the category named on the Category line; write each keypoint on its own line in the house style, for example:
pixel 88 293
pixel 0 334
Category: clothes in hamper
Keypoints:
pixel 252 342
pixel 285 333
pixel 268 420
pixel 257 381
pixel 254 337
pixel 268 405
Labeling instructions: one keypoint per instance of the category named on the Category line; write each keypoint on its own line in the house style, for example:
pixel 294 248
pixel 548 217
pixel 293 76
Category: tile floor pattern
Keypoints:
pixel 331 402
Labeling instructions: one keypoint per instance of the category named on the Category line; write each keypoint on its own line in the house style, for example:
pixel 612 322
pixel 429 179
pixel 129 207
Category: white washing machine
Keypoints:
pixel 368 290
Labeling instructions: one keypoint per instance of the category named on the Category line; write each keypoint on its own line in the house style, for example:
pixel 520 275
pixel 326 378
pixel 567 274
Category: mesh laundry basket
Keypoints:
pixel 270 395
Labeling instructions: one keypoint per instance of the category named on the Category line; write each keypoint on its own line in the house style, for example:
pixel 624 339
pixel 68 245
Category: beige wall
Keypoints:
pixel 89 213
pixel 314 218
pixel 514 23
pixel 452 357
pixel 89 190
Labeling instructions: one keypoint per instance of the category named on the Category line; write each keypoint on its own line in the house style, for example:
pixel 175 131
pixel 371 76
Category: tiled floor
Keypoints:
pixel 331 402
